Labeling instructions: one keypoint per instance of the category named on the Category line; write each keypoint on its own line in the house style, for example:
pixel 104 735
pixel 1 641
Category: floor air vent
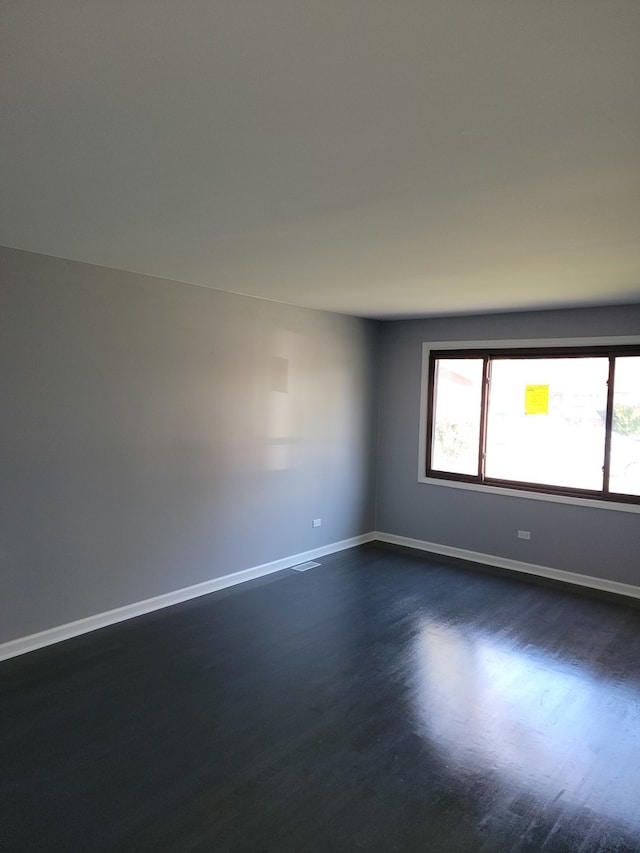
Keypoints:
pixel 304 567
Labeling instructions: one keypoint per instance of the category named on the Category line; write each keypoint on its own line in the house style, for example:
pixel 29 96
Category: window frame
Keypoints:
pixel 538 348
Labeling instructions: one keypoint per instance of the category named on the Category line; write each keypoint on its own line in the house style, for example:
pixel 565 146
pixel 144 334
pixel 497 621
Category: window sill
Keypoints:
pixel 534 496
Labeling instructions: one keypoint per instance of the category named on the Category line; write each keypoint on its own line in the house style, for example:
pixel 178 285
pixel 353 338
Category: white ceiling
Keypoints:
pixel 376 157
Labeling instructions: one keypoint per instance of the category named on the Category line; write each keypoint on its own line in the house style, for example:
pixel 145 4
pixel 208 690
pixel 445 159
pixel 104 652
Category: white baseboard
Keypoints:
pixel 91 623
pixel 513 565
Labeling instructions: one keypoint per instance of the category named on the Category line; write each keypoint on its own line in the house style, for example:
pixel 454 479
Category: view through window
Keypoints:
pixel 557 421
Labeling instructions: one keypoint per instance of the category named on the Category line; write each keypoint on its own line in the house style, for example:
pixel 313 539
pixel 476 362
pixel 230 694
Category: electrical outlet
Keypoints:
pixel 317 522
pixel 524 534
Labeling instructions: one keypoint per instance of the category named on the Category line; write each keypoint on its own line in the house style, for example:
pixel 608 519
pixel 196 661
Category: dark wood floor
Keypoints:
pixel 381 702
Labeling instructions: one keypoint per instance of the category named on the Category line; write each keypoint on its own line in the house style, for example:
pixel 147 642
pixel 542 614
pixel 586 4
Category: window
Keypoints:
pixel 551 420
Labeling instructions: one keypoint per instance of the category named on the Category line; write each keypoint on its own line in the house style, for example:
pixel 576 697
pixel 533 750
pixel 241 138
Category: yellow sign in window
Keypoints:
pixel 536 400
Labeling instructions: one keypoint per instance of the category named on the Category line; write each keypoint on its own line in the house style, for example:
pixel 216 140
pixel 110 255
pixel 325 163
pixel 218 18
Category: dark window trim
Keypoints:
pixel 493 353
pixel 536 352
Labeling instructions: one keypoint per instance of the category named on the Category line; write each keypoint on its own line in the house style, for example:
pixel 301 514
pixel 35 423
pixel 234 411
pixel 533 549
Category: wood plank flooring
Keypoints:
pixel 384 701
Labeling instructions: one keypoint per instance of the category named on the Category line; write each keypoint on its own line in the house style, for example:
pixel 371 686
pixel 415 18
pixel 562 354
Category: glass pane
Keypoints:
pixel 457 397
pixel 625 438
pixel 546 421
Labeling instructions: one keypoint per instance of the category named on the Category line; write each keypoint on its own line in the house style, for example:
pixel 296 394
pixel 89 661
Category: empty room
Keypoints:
pixel 320 431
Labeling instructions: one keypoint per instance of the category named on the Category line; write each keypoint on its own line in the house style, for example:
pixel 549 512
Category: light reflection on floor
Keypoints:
pixel 542 725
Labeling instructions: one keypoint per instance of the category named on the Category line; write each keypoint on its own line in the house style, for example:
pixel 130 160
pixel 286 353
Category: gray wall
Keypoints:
pixel 598 542
pixel 155 435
